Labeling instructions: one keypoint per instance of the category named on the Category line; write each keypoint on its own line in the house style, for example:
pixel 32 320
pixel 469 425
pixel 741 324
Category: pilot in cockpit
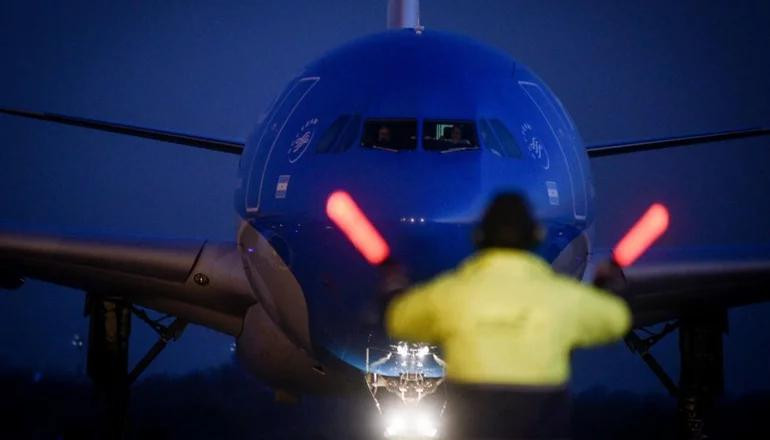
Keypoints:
pixel 383 136
pixel 457 136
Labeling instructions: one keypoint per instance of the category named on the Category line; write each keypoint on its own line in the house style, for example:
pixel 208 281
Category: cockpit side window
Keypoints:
pixel 446 136
pixel 489 138
pixel 498 138
pixel 340 135
pixel 350 134
pixel 390 134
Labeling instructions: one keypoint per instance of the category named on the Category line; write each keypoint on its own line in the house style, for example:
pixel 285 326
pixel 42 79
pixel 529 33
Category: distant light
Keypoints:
pixel 640 237
pixel 344 212
pixel 402 349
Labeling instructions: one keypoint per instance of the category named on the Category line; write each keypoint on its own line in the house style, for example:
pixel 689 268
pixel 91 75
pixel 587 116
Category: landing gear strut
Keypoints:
pixel 701 376
pixel 109 332
pixel 701 379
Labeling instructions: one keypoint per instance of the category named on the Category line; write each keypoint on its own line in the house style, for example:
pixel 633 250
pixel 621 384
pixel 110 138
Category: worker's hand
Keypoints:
pixel 394 279
pixel 609 276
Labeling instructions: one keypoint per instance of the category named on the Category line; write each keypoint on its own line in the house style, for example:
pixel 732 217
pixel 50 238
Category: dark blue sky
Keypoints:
pixel 622 70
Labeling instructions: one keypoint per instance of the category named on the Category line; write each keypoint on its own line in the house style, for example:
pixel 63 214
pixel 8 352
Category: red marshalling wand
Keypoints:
pixel 640 237
pixel 345 213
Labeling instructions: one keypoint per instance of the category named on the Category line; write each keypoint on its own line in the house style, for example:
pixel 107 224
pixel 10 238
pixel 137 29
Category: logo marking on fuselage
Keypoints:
pixel 302 140
pixel 535 146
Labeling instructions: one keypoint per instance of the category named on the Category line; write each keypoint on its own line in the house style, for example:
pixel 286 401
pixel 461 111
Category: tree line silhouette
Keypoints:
pixel 226 403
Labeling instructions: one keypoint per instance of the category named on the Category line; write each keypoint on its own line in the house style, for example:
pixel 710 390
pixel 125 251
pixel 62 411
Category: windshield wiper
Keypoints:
pixel 452 150
pixel 392 150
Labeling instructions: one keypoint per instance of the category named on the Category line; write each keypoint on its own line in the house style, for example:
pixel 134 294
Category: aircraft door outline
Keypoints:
pixel 270 135
pixel 551 116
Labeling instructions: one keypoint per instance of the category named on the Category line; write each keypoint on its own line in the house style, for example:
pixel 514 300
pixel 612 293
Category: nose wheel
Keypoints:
pixel 404 381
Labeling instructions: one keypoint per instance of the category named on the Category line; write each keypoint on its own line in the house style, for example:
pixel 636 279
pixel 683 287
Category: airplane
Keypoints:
pixel 294 292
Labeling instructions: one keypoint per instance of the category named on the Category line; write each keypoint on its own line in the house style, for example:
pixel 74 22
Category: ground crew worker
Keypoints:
pixel 506 324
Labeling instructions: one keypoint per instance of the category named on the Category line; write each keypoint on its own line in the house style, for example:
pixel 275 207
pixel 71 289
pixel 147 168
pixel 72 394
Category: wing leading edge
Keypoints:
pixel 223 146
pixel 613 149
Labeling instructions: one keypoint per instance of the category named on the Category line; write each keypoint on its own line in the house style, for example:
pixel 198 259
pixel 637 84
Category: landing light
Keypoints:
pixel 640 237
pixel 396 425
pixel 410 424
pixel 344 212
pixel 426 426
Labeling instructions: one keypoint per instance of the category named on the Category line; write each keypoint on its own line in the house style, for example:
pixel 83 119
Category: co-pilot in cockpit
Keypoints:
pixel 448 136
pixel 383 136
pixel 457 136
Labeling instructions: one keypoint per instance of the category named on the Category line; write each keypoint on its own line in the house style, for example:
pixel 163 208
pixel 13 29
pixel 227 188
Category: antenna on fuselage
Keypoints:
pixel 404 14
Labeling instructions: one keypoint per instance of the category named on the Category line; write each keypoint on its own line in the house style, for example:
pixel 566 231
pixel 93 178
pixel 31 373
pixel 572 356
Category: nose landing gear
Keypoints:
pixel 404 381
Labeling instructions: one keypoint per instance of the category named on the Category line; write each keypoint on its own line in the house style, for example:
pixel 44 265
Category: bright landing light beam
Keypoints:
pixel 345 213
pixel 640 237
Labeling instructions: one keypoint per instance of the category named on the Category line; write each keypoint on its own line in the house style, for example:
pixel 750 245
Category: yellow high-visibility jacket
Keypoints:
pixel 505 317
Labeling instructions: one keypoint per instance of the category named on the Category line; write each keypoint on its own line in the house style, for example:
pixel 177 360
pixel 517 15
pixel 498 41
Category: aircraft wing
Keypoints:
pixel 617 148
pixel 199 281
pixel 663 292
pixel 666 291
pixel 206 143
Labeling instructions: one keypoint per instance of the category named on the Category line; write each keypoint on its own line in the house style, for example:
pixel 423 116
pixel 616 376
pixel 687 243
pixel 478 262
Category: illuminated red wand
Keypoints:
pixel 344 212
pixel 640 237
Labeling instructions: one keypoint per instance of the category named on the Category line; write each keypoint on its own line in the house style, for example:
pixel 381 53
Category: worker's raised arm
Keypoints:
pixel 414 315
pixel 600 316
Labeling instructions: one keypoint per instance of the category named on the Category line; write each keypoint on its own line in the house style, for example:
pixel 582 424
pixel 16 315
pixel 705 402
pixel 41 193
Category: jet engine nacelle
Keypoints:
pixel 275 342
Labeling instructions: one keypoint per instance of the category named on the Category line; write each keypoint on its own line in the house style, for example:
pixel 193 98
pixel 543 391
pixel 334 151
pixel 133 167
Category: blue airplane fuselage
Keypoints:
pixel 424 202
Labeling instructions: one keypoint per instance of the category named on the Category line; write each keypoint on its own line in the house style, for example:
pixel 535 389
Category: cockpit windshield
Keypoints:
pixel 390 134
pixel 447 136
